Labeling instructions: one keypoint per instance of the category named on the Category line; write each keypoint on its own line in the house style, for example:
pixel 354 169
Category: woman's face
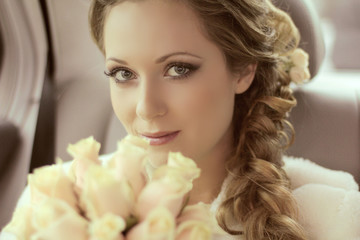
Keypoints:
pixel 168 82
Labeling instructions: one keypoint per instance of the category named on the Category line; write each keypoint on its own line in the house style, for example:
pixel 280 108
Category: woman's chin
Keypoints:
pixel 157 158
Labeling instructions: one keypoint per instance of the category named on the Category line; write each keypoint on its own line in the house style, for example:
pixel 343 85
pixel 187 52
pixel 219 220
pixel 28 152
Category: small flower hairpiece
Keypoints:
pixel 297 66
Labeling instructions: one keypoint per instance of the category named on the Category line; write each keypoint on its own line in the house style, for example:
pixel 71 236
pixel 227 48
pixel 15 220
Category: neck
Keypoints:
pixel 207 187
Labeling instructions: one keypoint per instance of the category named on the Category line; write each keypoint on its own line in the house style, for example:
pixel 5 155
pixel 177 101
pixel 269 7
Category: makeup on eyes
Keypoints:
pixel 181 66
pixel 124 73
pixel 183 69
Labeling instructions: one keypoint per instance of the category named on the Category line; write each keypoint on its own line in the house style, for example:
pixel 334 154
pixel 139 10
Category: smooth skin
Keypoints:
pixel 166 76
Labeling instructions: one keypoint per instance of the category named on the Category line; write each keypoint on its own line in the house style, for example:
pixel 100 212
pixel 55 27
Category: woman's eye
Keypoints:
pixel 180 70
pixel 124 75
pixel 120 75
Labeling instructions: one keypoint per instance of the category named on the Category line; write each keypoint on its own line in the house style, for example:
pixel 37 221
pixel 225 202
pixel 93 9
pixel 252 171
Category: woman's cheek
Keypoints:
pixel 124 106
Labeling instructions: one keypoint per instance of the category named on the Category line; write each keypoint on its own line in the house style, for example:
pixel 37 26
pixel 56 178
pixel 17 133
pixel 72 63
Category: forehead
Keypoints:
pixel 160 24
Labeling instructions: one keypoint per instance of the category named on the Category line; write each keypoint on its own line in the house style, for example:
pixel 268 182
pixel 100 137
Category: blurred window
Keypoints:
pixel 341 22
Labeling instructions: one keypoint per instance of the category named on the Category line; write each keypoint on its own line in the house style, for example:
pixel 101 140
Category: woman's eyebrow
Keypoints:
pixel 117 60
pixel 159 60
pixel 163 58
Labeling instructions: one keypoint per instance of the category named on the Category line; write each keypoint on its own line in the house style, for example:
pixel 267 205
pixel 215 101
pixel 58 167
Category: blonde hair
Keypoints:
pixel 249 31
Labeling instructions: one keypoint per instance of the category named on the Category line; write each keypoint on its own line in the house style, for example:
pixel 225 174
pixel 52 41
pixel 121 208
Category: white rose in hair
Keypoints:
pixel 299 74
pixel 300 58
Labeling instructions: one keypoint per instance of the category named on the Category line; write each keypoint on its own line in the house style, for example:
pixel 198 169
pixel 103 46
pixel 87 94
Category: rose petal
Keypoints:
pixel 168 192
pixel 55 220
pixel 67 227
pixel 103 192
pixel 20 224
pixel 51 181
pixel 108 227
pixel 86 148
pixel 300 58
pixel 194 230
pixel 299 75
pixel 85 153
pixel 129 162
pixel 187 166
pixel 200 212
pixel 158 225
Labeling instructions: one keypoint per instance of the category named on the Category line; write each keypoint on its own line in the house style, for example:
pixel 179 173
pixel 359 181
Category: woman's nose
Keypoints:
pixel 151 103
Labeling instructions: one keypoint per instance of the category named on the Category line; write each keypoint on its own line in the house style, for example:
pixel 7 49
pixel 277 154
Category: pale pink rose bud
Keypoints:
pixel 194 230
pixel 51 181
pixel 300 58
pixel 103 193
pixel 199 211
pixel 158 225
pixel 129 161
pixel 186 165
pixel 192 216
pixel 135 141
pixel 85 153
pixel 166 171
pixel 299 75
pixel 55 220
pixel 108 227
pixel 86 148
pixel 168 192
pixel 20 225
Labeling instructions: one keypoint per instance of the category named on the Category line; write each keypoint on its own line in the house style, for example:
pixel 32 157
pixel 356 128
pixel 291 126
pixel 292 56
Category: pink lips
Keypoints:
pixel 160 138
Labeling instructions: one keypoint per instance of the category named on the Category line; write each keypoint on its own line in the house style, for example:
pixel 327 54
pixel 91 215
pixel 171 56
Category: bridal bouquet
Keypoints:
pixel 114 200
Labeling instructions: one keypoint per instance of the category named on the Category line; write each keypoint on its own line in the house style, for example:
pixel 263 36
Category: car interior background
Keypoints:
pixel 53 91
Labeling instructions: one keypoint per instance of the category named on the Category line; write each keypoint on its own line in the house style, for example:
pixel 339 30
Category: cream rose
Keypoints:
pixel 55 220
pixel 198 222
pixel 300 58
pixel 51 181
pixel 159 224
pixel 20 224
pixel 299 74
pixel 168 191
pixel 135 141
pixel 86 148
pixel 194 230
pixel 103 193
pixel 187 166
pixel 129 161
pixel 85 153
pixel 199 211
pixel 108 227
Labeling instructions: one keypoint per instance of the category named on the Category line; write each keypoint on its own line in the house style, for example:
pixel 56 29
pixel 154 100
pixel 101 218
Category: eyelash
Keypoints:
pixel 191 69
pixel 112 74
